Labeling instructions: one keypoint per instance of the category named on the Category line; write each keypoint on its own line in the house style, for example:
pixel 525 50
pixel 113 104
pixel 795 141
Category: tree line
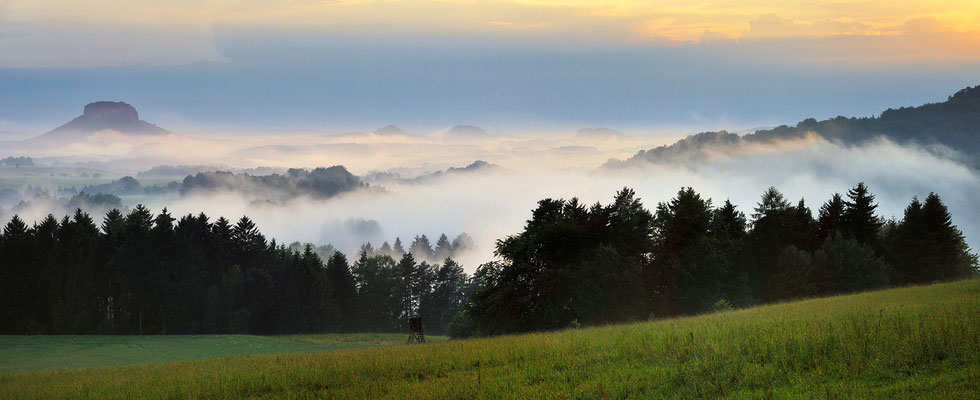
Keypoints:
pixel 573 264
pixel 579 264
pixel 140 273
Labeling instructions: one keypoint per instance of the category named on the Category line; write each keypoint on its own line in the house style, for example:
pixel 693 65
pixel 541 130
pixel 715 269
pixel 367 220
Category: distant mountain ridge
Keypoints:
pixel 467 132
pixel 390 130
pixel 954 123
pixel 106 115
pixel 599 133
pixel 318 183
pixel 394 177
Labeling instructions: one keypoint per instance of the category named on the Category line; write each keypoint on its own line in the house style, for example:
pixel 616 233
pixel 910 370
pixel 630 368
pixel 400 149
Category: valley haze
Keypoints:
pixel 414 182
pixel 489 199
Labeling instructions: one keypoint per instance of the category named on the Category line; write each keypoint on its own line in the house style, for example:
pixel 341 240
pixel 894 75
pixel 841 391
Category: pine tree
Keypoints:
pixel 397 248
pixel 801 227
pixel 341 279
pixel 772 203
pixel 17 291
pixel 421 248
pixel 770 234
pixel 385 249
pixel 728 232
pixel 686 265
pixel 830 219
pixel 860 221
pixel 462 243
pixel 944 254
pixel 443 249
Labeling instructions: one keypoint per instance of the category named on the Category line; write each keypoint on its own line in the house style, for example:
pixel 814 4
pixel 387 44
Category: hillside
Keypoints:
pixel 317 183
pixel 105 116
pixel 916 342
pixel 954 123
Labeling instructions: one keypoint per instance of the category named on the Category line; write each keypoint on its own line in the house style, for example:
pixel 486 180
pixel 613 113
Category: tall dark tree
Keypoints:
pixel 802 228
pixel 728 232
pixel 830 218
pixel 16 291
pixel 447 297
pixel 770 235
pixel 860 221
pixel 344 293
pixel 686 278
pixel 927 247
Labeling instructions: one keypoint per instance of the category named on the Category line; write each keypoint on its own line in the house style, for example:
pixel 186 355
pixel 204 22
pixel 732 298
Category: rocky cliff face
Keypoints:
pixel 110 112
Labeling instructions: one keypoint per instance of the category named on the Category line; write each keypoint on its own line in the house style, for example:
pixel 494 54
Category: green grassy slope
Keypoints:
pixel 919 342
pixel 35 353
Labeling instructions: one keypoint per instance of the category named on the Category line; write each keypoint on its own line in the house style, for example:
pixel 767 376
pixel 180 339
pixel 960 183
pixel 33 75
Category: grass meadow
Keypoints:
pixel 50 353
pixel 916 342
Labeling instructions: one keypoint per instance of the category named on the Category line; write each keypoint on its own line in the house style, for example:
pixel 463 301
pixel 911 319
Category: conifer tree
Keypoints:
pixel 341 279
pixel 944 254
pixel 830 218
pixel 443 249
pixel 860 221
pixel 398 248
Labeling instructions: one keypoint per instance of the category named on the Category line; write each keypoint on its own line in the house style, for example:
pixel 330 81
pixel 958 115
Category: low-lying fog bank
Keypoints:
pixel 404 198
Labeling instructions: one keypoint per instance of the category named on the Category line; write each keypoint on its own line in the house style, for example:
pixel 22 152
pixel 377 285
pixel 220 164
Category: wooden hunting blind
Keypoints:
pixel 415 332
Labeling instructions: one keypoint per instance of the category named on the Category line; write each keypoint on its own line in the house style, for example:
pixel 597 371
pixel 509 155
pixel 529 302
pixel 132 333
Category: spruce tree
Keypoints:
pixel 398 248
pixel 943 250
pixel 443 248
pixel 341 279
pixel 830 218
pixel 860 221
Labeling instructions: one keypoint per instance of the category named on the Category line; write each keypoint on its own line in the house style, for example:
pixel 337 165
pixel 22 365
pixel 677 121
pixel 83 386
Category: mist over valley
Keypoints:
pixel 314 187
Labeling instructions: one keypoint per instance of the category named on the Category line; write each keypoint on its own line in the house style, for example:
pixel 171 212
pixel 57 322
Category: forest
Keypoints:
pixel 572 265
pixel 953 123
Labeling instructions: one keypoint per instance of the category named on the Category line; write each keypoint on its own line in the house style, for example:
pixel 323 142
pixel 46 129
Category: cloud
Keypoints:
pixel 74 44
pixel 713 38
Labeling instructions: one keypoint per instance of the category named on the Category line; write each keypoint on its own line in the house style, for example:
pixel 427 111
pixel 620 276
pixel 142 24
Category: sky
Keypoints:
pixel 516 66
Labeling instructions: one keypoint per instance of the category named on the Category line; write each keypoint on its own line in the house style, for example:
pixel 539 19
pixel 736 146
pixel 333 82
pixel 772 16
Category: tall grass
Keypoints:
pixel 917 342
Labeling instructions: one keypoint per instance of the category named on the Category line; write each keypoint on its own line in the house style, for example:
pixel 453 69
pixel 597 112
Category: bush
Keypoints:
pixel 462 326
pixel 722 305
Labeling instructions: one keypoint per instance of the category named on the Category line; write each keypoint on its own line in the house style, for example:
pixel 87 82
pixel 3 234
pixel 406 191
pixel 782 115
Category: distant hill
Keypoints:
pixel 954 123
pixel 394 177
pixel 319 183
pixel 467 132
pixel 599 133
pixel 106 116
pixel 390 130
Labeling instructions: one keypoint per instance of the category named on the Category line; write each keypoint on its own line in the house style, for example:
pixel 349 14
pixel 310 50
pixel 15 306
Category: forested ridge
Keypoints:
pixel 954 123
pixel 573 264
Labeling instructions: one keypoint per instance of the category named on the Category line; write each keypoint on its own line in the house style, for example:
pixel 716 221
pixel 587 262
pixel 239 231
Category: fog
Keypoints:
pixel 491 204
